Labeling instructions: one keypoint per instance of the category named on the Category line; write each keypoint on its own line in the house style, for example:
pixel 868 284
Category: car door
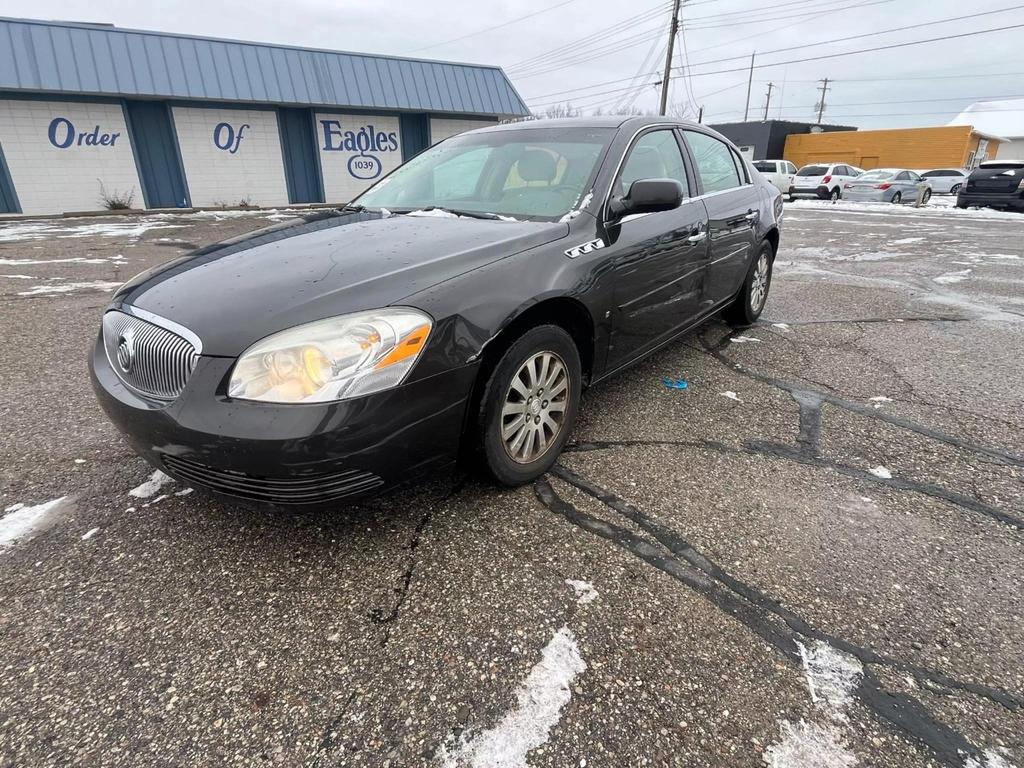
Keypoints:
pixel 903 183
pixel 733 208
pixel 658 259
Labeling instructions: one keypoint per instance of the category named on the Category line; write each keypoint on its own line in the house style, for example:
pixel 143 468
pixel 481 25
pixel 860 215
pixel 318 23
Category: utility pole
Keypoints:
pixel 821 104
pixel 768 99
pixel 673 27
pixel 750 82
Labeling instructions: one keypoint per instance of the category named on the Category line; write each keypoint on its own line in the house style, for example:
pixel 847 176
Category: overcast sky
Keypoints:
pixel 567 45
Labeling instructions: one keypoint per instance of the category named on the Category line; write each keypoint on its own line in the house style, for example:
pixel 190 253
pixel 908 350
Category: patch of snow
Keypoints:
pixel 53 290
pixel 908 240
pixel 157 500
pixel 23 522
pixel 781 326
pixel 881 472
pixel 952 277
pixel 731 395
pixel 90 533
pixel 809 745
pixel 79 461
pixel 540 698
pixel 186 492
pixel 879 400
pixel 156 481
pixel 832 677
pixel 74 228
pixel 743 339
pixel 19 277
pixel 990 759
pixel 1009 256
pixel 578 209
pixel 74 260
pixel 585 592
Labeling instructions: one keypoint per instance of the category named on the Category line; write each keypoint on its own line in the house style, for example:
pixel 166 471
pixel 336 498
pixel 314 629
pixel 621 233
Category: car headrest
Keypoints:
pixel 536 165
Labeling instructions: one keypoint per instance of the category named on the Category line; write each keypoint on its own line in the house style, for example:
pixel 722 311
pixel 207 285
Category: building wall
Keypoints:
pixel 356 151
pixel 231 156
pixel 443 127
pixel 60 153
pixel 947 146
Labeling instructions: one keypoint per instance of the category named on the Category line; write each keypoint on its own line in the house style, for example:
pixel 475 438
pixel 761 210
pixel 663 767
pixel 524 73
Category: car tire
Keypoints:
pixel 897 198
pixel 750 301
pixel 927 196
pixel 954 189
pixel 835 194
pixel 511 447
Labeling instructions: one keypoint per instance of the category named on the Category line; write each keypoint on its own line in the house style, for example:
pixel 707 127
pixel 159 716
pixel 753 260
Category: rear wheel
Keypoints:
pixel 750 301
pixel 529 405
pixel 835 194
pixel 897 198
pixel 954 189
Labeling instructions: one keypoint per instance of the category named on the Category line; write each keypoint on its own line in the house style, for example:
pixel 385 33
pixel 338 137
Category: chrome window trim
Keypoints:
pixel 163 322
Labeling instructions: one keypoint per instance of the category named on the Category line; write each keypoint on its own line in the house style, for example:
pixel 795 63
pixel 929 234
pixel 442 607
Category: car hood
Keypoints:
pixel 236 292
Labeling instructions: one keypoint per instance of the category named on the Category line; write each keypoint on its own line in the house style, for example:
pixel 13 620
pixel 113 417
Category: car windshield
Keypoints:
pixel 525 173
pixel 764 166
pixel 813 170
pixel 875 175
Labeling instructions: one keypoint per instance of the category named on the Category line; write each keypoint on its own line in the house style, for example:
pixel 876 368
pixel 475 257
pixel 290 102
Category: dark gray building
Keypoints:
pixel 766 139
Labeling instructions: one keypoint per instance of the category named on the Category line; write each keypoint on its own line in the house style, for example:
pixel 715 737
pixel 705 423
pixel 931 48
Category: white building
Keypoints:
pixel 1003 118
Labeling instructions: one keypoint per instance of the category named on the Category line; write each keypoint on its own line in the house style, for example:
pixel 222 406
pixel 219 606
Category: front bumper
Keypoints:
pixel 1012 202
pixel 307 455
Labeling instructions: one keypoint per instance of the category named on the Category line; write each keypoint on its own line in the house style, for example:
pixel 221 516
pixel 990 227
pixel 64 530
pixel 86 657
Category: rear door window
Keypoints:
pixel 716 166
pixel 764 166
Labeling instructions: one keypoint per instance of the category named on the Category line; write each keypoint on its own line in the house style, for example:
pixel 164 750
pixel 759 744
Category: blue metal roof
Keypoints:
pixel 102 60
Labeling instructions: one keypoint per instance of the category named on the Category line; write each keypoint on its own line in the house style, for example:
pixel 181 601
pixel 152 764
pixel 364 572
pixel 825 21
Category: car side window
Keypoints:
pixel 655 155
pixel 902 176
pixel 741 167
pixel 790 168
pixel 844 170
pixel 714 160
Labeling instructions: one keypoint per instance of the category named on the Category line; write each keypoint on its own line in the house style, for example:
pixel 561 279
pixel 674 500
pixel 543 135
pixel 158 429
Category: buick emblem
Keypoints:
pixel 126 351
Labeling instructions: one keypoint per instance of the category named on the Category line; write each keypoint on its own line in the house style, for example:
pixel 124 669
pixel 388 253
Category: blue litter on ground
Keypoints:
pixel 675 383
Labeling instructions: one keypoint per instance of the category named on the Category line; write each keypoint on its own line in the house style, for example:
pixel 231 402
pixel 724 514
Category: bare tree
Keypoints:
pixel 562 110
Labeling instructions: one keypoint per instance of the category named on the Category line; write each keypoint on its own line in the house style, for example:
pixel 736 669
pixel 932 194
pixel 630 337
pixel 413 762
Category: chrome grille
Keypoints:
pixel 151 360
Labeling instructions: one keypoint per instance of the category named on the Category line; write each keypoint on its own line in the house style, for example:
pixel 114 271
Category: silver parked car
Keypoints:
pixel 886 185
pixel 945 181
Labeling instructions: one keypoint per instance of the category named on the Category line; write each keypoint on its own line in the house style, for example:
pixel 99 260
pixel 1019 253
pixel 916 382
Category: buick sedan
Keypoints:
pixel 454 311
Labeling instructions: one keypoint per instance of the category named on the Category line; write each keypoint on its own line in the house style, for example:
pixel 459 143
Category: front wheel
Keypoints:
pixel 749 303
pixel 529 405
pixel 927 196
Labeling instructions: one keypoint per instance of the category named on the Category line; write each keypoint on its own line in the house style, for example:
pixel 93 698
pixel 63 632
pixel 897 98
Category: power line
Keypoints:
pixel 491 28
pixel 588 39
pixel 813 58
pixel 589 55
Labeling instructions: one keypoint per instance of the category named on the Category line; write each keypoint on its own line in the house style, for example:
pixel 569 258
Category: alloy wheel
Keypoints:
pixel 897 198
pixel 533 412
pixel 759 285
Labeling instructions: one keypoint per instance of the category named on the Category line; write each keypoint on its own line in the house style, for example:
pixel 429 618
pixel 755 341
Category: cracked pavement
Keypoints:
pixel 861 488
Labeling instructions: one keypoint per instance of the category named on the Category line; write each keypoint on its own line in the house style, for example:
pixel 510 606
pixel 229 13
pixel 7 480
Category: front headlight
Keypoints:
pixel 332 359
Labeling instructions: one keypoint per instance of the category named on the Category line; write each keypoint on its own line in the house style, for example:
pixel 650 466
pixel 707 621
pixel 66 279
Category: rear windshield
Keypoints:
pixel 875 176
pixel 764 166
pixel 813 170
pixel 995 166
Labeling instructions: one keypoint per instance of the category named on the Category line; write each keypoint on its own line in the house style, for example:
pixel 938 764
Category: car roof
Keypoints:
pixel 602 121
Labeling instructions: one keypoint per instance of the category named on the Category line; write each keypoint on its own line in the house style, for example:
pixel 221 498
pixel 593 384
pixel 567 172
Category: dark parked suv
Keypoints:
pixel 456 309
pixel 994 184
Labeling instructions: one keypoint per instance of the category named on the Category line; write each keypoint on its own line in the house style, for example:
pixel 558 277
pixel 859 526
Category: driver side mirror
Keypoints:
pixel 647 196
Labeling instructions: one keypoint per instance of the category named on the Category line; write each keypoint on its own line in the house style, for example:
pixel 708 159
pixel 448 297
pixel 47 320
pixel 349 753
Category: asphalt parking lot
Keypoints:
pixel 811 556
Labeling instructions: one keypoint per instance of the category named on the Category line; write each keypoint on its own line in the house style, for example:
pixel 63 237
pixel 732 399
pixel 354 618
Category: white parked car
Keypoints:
pixel 824 181
pixel 945 181
pixel 781 173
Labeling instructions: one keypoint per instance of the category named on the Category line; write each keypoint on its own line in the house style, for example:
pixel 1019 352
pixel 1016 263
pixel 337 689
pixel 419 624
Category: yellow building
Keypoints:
pixel 958 146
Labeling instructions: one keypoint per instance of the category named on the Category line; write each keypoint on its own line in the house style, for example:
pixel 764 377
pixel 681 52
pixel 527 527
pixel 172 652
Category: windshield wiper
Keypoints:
pixel 458 212
pixel 353 208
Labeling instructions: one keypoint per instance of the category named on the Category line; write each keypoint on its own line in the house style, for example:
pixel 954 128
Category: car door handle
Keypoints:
pixel 752 216
pixel 697 237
